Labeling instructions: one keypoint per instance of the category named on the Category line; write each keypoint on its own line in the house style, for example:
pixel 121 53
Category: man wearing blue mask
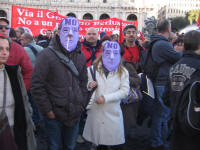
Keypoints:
pixel 58 85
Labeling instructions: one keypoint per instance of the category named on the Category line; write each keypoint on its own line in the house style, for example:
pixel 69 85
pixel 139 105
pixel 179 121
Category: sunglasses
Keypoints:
pixel 4 26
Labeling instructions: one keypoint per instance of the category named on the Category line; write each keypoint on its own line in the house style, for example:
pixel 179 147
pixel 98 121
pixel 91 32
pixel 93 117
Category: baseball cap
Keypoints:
pixel 4 19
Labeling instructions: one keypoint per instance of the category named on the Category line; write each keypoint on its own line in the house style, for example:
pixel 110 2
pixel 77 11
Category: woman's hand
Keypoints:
pixel 92 84
pixel 100 100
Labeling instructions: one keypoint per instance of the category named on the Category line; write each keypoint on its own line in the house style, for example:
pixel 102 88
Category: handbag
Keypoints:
pixel 7 141
pixel 134 95
pixel 90 93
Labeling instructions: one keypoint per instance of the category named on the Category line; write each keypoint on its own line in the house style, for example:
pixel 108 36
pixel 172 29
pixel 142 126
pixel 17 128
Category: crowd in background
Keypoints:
pixel 59 70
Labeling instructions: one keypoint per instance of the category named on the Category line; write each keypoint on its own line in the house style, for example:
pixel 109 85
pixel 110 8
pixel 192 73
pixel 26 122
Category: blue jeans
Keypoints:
pixel 36 114
pixel 58 134
pixel 160 120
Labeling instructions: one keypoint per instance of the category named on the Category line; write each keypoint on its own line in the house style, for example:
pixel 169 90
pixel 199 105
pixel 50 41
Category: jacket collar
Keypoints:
pixel 55 43
pixel 189 53
pixel 87 44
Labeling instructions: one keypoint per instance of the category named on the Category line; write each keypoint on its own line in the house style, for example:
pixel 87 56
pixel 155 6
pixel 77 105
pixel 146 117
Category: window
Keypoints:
pixel 88 16
pixel 104 16
pixel 104 1
pixel 132 17
pixel 3 13
pixel 71 14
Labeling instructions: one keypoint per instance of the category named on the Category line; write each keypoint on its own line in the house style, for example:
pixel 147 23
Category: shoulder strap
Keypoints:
pixel 129 51
pixel 93 72
pixel 65 60
pixel 150 51
pixel 5 90
pixel 93 54
pixel 192 79
pixel 35 52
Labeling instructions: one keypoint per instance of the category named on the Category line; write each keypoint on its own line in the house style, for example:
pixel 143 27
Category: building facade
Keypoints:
pixel 176 8
pixel 86 9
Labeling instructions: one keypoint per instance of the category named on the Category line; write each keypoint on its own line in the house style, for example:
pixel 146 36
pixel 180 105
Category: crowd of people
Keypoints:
pixel 94 90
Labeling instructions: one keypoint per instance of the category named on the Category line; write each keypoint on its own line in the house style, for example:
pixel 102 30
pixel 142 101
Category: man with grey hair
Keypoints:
pixel 19 32
pixel 164 56
pixel 32 50
pixel 30 47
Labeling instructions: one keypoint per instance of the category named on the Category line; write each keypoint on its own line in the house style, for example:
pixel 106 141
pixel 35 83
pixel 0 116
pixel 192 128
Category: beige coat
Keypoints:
pixel 104 124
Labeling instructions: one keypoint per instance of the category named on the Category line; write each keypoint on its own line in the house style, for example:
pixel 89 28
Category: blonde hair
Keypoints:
pixel 100 69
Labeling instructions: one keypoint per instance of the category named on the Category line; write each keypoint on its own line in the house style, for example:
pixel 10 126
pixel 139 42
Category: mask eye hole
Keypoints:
pixel 107 53
pixel 116 52
pixel 66 29
pixel 75 29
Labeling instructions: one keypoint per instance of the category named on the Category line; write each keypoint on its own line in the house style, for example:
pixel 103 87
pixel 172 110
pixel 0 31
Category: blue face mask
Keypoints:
pixel 69 33
pixel 111 56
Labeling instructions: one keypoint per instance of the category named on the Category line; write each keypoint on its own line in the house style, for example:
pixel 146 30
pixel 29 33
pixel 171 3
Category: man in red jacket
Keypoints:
pixel 131 44
pixel 18 55
pixel 91 46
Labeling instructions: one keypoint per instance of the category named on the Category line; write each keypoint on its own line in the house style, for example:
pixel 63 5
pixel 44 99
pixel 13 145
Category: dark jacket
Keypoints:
pixel 55 88
pixel 91 52
pixel 23 124
pixel 164 54
pixel 180 73
pixel 134 79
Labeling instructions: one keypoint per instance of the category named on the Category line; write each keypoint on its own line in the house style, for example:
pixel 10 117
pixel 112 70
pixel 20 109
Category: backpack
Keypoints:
pixel 186 110
pixel 35 52
pixel 147 63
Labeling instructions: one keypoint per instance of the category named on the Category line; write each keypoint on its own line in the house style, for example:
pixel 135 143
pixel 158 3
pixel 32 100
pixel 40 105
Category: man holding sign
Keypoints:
pixel 59 85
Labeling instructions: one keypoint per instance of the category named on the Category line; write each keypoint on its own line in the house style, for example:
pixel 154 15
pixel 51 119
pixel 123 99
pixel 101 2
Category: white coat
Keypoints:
pixel 104 124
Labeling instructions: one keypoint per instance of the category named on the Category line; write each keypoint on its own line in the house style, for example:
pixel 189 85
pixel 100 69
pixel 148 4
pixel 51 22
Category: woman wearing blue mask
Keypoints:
pixel 104 125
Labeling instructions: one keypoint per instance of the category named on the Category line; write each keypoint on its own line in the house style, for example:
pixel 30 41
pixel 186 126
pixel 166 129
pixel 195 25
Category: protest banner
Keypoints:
pixel 37 21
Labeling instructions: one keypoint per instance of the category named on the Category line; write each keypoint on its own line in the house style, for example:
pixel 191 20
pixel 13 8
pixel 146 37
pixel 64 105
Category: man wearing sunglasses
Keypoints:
pixel 4 27
pixel 18 55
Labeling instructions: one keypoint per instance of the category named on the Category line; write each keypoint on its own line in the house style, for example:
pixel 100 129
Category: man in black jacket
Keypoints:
pixel 59 89
pixel 165 56
pixel 180 73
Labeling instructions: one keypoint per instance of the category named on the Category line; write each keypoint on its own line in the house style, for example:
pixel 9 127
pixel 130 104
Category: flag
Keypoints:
pixel 56 11
pixel 140 36
pixel 198 21
pixel 121 35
